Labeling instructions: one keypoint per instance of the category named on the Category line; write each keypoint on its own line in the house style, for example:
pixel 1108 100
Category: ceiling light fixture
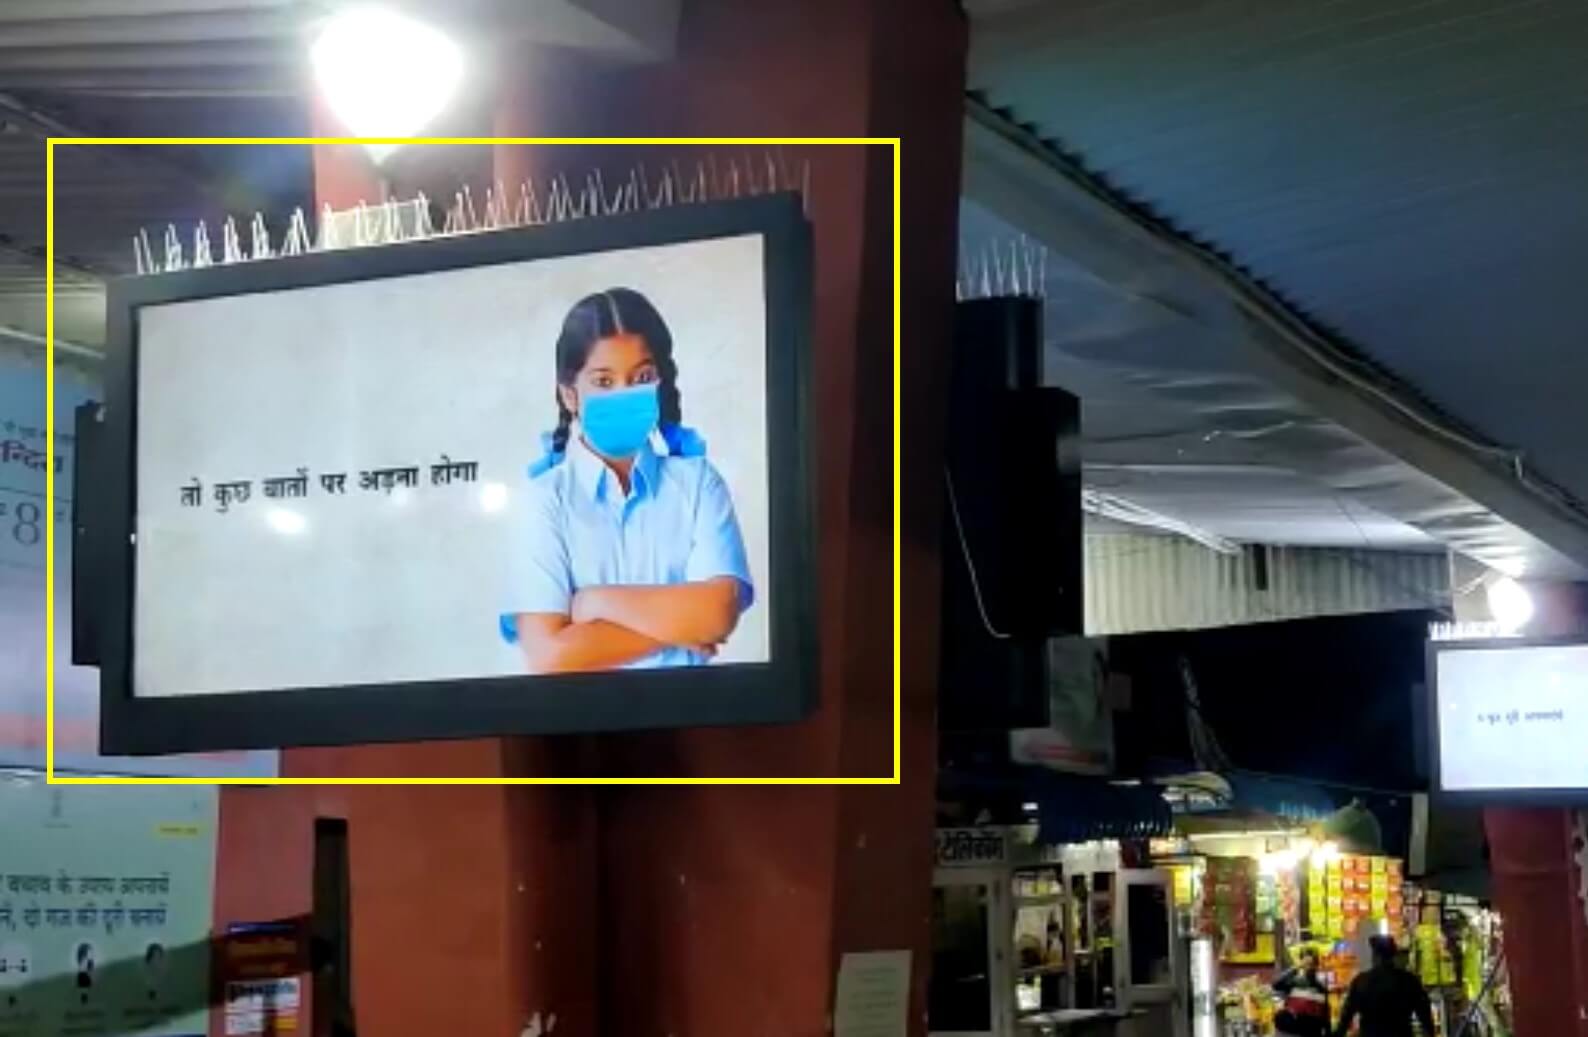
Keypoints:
pixel 1510 604
pixel 384 74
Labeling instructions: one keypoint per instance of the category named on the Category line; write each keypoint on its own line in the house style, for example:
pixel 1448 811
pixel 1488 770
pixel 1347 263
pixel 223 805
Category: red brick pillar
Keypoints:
pixel 701 911
pixel 1546 937
pixel 473 907
pixel 727 909
pixel 1536 880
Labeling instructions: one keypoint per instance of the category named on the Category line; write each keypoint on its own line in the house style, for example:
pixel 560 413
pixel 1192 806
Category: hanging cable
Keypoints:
pixel 970 565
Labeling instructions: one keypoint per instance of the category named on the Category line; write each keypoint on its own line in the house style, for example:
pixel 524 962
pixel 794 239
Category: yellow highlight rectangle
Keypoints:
pixel 49 581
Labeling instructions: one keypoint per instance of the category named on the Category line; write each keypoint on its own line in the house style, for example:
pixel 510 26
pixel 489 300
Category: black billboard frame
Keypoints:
pixel 1489 797
pixel 781 691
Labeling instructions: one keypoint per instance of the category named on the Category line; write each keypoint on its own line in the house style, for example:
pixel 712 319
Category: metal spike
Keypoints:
pixel 564 199
pixel 642 185
pixel 360 227
pixel 148 250
pixel 667 194
pixel 142 268
pixel 289 244
pixel 681 186
pixel 733 178
pixel 714 189
pixel 631 193
pixel 496 213
pixel 201 247
pixel 702 190
pixel 986 277
pixel 590 200
pixel 771 175
pixel 553 209
pixel 328 236
pixel 173 249
pixel 423 228
pixel 299 232
pixel 468 209
pixel 557 205
pixel 532 214
pixel 585 201
pixel 231 244
pixel 392 218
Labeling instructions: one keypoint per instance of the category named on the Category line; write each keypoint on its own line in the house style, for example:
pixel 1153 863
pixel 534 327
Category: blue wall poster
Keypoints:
pixel 106 900
pixel 23 514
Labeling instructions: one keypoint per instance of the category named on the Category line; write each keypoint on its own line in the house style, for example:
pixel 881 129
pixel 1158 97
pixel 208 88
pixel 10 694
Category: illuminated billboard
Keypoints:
pixel 544 479
pixel 1511 719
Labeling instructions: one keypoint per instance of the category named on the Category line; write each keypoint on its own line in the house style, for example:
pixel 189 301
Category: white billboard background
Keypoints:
pixel 1513 717
pixel 370 586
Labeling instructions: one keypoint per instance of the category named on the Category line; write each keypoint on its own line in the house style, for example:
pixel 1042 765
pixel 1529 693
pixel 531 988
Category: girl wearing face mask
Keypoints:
pixel 632 556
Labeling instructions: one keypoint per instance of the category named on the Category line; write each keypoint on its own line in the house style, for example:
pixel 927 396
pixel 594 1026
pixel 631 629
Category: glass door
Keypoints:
pixel 969 991
pixel 1150 975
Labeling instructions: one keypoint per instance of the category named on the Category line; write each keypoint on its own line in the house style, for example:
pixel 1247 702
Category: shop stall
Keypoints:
pixel 1455 948
pixel 1034 939
pixel 1259 898
pixel 1184 935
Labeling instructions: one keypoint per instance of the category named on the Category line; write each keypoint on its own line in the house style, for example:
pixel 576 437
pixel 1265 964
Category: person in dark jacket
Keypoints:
pixel 1306 1011
pixel 1386 997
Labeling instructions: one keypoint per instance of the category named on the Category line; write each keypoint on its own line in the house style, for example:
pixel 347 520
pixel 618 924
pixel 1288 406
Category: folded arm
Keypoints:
pixel 700 613
pixel 553 643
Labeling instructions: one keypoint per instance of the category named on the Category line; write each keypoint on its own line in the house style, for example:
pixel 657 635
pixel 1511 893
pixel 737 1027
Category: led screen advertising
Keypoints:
pixel 538 480
pixel 1511 719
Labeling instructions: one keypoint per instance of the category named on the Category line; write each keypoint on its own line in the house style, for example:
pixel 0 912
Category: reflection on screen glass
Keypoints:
pixel 526 468
pixel 959 998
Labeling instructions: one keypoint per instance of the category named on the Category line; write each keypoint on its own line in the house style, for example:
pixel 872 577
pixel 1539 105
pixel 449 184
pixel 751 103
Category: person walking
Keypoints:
pixel 1386 997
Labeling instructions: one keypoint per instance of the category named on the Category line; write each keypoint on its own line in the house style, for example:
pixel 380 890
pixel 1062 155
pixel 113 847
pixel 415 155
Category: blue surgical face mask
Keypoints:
pixel 617 423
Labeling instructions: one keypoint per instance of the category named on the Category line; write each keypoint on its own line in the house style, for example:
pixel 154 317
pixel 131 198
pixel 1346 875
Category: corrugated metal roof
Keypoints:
pixel 1407 173
pixel 1135 584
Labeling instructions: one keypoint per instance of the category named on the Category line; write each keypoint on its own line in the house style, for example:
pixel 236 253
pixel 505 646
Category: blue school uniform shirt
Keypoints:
pixel 676 525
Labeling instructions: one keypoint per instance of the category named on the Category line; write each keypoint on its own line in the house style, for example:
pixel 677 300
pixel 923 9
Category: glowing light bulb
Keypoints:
pixel 1510 604
pixel 384 74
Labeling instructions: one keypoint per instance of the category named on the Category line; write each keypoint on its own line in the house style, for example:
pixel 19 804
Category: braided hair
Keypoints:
pixel 616 311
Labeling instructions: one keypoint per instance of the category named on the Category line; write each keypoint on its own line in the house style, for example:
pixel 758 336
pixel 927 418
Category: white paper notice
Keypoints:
pixel 873 998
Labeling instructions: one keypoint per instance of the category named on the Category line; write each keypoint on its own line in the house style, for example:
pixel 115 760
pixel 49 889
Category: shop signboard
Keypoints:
pixel 105 903
pixel 542 479
pixel 1079 736
pixel 971 847
pixel 24 512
